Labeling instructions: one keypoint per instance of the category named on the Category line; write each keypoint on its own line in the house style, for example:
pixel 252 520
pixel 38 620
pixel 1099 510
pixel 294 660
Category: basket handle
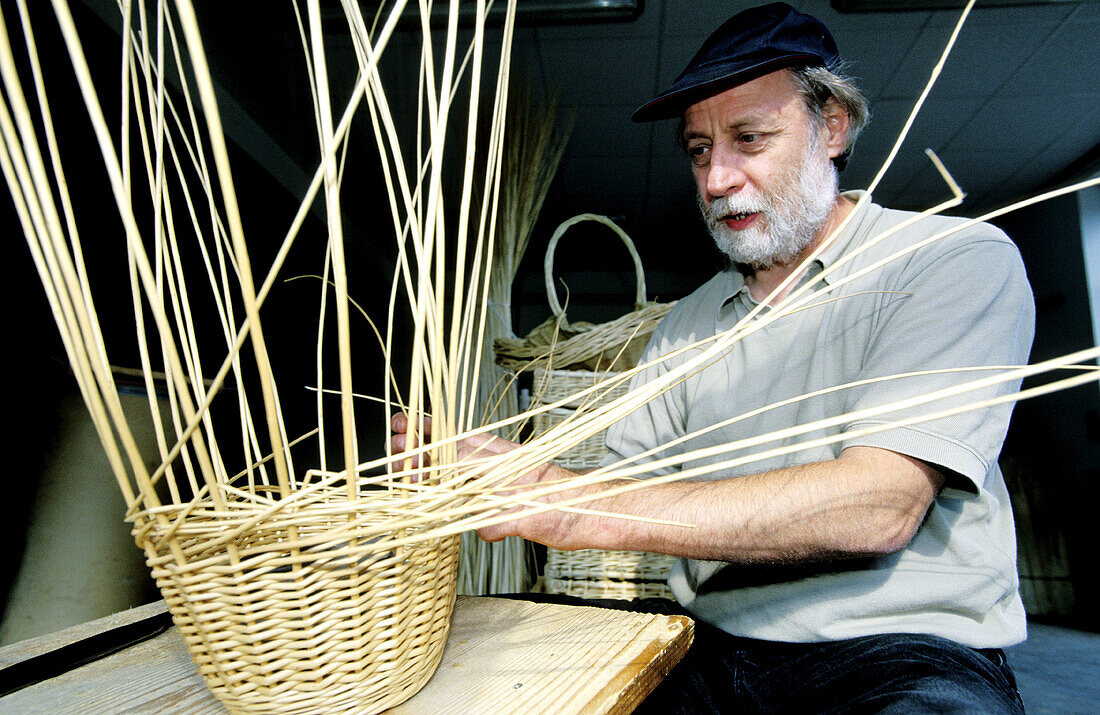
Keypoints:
pixel 548 262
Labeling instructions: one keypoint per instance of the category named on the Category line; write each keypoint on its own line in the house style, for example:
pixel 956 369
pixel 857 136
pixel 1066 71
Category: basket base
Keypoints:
pixel 331 628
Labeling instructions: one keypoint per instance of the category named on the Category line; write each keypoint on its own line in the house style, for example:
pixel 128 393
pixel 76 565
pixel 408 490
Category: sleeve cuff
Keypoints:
pixel 938 450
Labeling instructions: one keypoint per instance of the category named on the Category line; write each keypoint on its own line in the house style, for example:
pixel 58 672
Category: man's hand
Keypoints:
pixel 547 528
pixel 472 447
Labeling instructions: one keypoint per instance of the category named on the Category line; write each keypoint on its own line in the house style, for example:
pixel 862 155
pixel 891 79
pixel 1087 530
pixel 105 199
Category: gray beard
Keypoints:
pixel 792 216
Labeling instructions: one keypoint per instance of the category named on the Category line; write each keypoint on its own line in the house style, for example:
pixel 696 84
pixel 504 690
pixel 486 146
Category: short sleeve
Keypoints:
pixel 963 304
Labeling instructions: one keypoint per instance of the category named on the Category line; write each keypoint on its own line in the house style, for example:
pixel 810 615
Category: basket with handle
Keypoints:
pixel 561 345
pixel 565 359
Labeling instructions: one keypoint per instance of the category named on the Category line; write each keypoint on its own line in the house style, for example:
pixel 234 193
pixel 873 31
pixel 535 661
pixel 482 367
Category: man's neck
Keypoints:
pixel 761 282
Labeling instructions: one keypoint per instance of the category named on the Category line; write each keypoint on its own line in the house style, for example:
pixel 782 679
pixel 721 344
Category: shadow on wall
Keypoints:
pixel 79 560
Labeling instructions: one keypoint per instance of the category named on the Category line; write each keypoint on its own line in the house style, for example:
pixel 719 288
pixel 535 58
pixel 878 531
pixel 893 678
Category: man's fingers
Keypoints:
pixel 492 534
pixel 398 442
pixel 474 447
pixel 399 423
pixel 401 441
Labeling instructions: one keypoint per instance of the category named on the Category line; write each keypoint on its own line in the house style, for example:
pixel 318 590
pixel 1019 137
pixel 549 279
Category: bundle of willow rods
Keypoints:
pixel 317 589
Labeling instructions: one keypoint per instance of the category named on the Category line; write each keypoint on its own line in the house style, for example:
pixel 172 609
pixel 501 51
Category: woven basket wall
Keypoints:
pixel 618 590
pixel 303 611
pixel 594 573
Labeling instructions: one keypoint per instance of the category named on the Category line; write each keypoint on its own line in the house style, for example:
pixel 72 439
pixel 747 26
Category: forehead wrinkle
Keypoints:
pixel 758 122
pixel 765 101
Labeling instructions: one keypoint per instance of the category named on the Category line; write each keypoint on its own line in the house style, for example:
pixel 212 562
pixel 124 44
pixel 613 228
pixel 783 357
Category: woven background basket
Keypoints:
pixel 561 345
pixel 305 609
pixel 619 590
pixel 561 368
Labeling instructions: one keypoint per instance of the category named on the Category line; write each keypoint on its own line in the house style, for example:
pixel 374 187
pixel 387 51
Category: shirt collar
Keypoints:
pixel 843 242
pixel 736 282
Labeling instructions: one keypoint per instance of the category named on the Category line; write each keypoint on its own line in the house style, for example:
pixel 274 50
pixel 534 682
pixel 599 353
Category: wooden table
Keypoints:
pixel 502 656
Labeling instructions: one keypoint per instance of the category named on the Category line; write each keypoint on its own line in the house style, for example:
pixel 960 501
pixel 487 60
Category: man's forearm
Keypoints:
pixel 867 501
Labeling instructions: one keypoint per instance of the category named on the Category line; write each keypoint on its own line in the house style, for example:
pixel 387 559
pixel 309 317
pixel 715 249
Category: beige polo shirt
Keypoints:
pixel 963 301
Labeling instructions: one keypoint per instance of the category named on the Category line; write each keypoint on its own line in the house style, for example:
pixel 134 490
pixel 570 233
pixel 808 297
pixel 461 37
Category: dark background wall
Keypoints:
pixel 1053 449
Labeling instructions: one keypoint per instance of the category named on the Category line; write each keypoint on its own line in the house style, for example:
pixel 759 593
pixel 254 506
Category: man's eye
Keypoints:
pixel 698 153
pixel 749 138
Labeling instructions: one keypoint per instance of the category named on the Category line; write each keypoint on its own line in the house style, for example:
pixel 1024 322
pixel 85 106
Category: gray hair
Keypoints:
pixel 817 85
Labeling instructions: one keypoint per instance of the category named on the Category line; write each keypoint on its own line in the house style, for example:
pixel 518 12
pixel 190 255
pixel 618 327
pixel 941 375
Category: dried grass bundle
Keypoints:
pixel 534 141
pixel 304 589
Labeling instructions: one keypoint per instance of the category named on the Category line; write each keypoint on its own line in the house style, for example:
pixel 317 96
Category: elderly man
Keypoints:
pixel 876 573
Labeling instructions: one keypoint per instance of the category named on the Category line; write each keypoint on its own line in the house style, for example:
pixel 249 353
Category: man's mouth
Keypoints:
pixel 739 221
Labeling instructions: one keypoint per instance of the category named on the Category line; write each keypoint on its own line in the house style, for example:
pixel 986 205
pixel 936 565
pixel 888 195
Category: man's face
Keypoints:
pixel 762 167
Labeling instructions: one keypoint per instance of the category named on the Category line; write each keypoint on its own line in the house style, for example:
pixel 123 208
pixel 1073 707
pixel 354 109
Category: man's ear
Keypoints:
pixel 836 126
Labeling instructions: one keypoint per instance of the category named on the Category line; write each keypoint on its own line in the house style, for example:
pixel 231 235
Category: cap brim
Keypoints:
pixel 671 104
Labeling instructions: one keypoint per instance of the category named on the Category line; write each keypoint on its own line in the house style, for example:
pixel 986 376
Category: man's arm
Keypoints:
pixel 866 502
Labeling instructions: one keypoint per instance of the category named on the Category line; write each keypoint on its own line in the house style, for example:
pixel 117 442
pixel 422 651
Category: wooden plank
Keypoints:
pixel 520 657
pixel 154 676
pixel 502 656
pixel 32 647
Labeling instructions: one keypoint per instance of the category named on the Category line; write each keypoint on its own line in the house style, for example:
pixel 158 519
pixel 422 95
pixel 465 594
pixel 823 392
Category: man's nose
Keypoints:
pixel 726 174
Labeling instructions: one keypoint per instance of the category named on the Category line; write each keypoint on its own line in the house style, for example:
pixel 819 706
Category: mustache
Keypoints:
pixel 724 206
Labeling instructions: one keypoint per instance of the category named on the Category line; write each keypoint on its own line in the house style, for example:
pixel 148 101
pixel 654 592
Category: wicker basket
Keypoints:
pixel 303 610
pixel 294 591
pixel 550 386
pixel 585 455
pixel 561 345
pixel 607 565
pixel 558 376
pixel 619 590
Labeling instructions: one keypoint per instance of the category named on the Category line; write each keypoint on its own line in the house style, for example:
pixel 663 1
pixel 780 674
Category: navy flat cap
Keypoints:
pixel 748 45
